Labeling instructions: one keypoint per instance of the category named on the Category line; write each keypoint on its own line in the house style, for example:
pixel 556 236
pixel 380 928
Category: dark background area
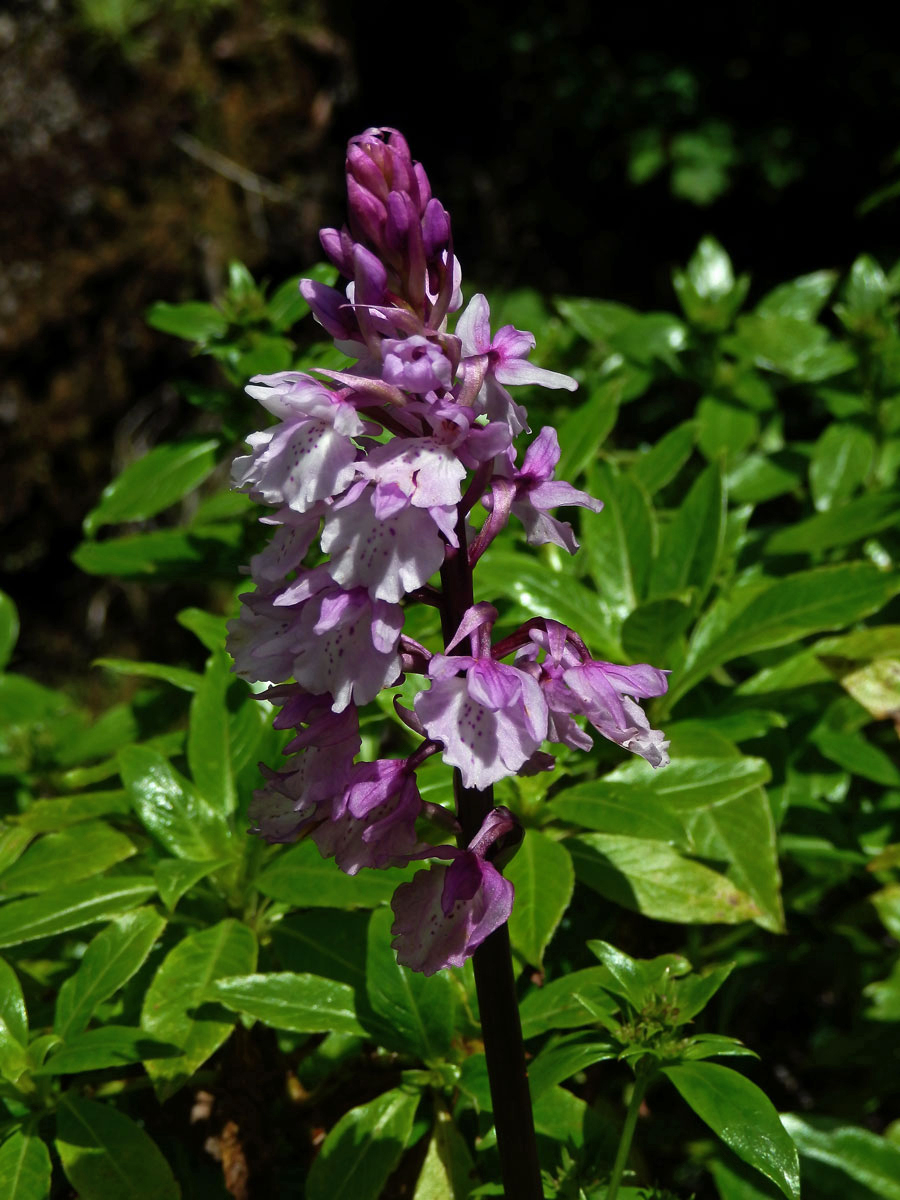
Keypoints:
pixel 579 150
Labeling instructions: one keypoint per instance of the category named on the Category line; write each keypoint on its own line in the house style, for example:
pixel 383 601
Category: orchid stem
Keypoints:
pixel 495 981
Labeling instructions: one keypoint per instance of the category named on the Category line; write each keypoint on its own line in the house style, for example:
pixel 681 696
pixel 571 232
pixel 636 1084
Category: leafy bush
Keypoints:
pixel 748 462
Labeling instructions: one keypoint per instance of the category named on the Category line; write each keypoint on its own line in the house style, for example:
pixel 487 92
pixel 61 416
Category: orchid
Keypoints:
pixel 381 463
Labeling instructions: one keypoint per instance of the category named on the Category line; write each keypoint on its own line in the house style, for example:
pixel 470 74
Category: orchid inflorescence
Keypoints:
pixel 382 463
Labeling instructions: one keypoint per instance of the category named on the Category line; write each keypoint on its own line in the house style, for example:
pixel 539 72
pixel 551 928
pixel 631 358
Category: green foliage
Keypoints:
pixel 747 454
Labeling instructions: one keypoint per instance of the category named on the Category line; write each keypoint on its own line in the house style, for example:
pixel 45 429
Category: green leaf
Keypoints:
pixel 724 430
pixel 543 876
pixel 169 807
pixel 598 805
pixel 658 465
pixel 108 1046
pixel 756 478
pixel 560 1061
pixel 175 876
pixel 106 1156
pixel 803 298
pixel 724 815
pixel 841 461
pixel 286 306
pixel 166 553
pixel 194 321
pixel 654 879
pixel 180 986
pixel 209 628
pixel 707 290
pixel 187 681
pixel 48 816
pixel 691 545
pixel 24 1168
pixel 797 349
pixel 736 1181
pixel 328 942
pixel 764 614
pixel 652 632
pixel 363 1149
pixel 619 544
pixel 865 293
pixel 558 1004
pixel 58 858
pixel 537 591
pixel 300 877
pixel 13 1024
pixel 70 907
pixel 641 981
pixel 9 629
pixel 850 522
pixel 448 1168
pixel 856 754
pixel 300 1003
pixel 418 1009
pixel 112 957
pixel 161 478
pixel 584 430
pixel 743 1117
pixel 209 744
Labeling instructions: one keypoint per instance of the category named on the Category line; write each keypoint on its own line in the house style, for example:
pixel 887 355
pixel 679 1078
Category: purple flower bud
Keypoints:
pixel 415 364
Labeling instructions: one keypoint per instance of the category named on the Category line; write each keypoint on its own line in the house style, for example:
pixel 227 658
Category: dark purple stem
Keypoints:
pixel 494 978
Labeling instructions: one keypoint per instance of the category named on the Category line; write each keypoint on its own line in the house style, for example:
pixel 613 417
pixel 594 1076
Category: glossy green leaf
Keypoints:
pixel 448 1168
pixel 110 960
pixel 106 1156
pixel 864 294
pixel 179 989
pixel 584 430
pixel 764 614
pixel 736 1181
pixel 108 1046
pixel 652 632
pixel 9 628
pixel 363 1149
pixel 841 526
pixel 707 290
pixel 724 815
pixel 418 1010
pixel 558 1005
pixel 13 1024
pixel 755 478
pixel 544 878
pixel 301 877
pixel 535 591
pixel 180 677
pixel 327 942
pixel 661 462
pixel 797 349
pixel 154 482
pixel 640 981
pixel 57 858
pixel 724 430
pixel 841 461
pixel 691 544
pixel 209 744
pixel 858 1153
pixel 620 543
pixel 166 553
pixel 597 805
pixel 169 807
pixel 654 879
pixel 49 816
pixel 71 906
pixel 175 876
pixel 300 1003
pixel 803 298
pixel 24 1168
pixel 560 1061
pixel 194 320
pixel 743 1117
